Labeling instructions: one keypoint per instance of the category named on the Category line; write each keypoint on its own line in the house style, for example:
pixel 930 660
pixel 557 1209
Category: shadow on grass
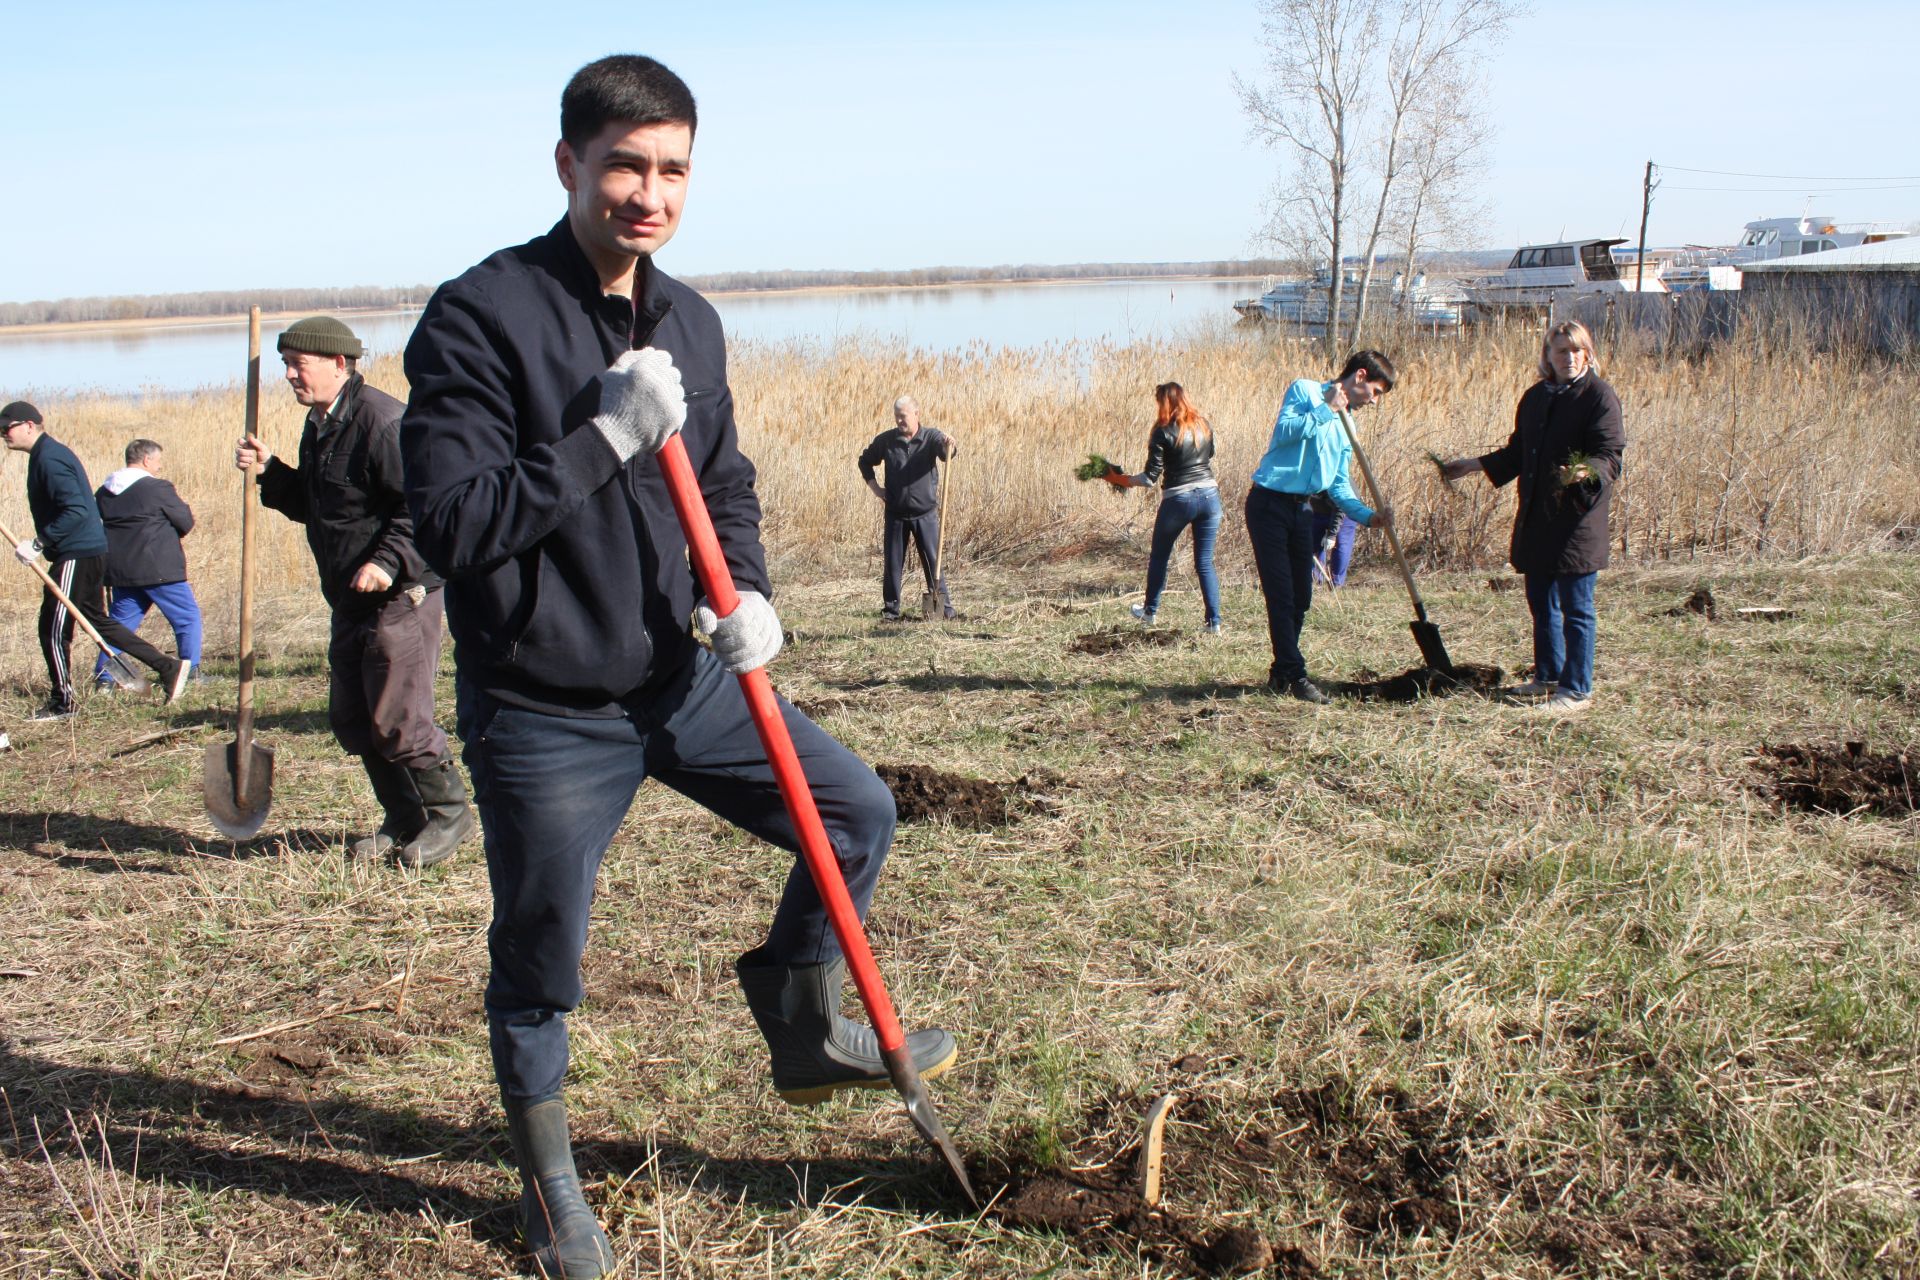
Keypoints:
pixel 351 1154
pixel 303 722
pixel 956 683
pixel 104 845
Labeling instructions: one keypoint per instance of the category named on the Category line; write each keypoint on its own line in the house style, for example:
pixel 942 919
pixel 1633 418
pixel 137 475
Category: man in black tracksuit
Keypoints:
pixel 912 496
pixel 544 381
pixel 386 603
pixel 67 529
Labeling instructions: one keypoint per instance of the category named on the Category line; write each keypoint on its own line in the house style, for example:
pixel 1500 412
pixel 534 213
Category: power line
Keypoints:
pixel 1793 177
pixel 1911 186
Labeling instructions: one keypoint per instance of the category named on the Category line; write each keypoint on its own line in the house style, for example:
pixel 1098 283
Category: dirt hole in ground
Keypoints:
pixel 1120 639
pixel 1699 603
pixel 1419 682
pixel 922 793
pixel 1840 778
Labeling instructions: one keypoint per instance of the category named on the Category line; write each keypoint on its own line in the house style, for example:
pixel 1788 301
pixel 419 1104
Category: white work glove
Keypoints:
pixel 641 402
pixel 747 638
pixel 28 551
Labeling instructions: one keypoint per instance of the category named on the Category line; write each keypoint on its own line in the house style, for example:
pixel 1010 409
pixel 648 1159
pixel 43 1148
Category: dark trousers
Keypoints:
pixel 552 792
pixel 81 579
pixel 925 532
pixel 1280 525
pixel 380 702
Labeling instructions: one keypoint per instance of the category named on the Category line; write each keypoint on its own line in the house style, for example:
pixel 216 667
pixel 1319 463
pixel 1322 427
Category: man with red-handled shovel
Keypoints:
pixel 544 382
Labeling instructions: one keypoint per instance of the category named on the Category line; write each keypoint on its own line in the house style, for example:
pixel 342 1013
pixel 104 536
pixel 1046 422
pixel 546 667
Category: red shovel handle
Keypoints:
pixel 710 567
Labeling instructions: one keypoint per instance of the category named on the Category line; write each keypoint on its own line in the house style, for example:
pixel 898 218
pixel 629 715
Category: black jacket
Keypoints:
pixel 1555 529
pixel 64 518
pixel 1184 464
pixel 911 482
pixel 347 491
pixel 567 577
pixel 145 521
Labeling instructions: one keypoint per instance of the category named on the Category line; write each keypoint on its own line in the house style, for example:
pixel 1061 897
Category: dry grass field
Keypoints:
pixel 1444 989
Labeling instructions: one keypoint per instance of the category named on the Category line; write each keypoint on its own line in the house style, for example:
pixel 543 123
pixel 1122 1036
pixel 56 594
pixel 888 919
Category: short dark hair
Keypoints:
pixel 626 87
pixel 138 451
pixel 1379 368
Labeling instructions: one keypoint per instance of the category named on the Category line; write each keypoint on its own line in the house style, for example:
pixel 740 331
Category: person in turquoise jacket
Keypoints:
pixel 1307 455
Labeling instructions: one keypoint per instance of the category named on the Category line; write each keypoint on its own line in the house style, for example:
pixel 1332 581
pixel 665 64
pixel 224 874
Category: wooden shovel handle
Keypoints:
pixel 58 594
pixel 1393 537
pixel 243 732
pixel 940 539
pixel 710 567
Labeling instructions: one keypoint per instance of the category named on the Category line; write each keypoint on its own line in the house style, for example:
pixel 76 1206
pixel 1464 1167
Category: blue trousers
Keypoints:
pixel 1342 554
pixel 552 792
pixel 176 604
pixel 1280 525
pixel 1563 627
pixel 1201 509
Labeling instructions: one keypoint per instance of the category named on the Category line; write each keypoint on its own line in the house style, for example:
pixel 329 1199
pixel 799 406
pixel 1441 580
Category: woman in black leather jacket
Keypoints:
pixel 1180 449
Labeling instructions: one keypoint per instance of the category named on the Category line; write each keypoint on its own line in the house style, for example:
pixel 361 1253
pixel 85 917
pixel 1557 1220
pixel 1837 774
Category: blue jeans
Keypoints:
pixel 176 604
pixel 1342 554
pixel 1201 509
pixel 1563 627
pixel 552 791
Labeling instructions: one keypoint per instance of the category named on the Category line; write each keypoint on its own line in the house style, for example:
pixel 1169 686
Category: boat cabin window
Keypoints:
pixel 1815 246
pixel 1598 262
pixel 1560 256
pixel 1526 258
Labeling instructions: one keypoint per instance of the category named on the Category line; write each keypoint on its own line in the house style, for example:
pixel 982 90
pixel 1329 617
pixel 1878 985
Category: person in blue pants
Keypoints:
pixel 1333 531
pixel 1180 448
pixel 145 519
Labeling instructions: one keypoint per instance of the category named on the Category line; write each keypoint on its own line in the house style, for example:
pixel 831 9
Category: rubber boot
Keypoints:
pixel 816 1052
pixel 559 1229
pixel 393 787
pixel 450 819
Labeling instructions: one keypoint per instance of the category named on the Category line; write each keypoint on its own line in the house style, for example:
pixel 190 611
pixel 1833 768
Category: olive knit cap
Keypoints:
pixel 320 336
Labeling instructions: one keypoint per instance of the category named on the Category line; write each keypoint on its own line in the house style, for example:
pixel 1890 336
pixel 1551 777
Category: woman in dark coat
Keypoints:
pixel 1565 451
pixel 1180 448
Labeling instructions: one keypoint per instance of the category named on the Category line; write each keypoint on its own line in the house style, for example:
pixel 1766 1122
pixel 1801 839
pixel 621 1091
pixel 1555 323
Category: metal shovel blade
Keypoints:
pixel 1432 648
pixel 929 605
pixel 907 1082
pixel 234 815
pixel 126 675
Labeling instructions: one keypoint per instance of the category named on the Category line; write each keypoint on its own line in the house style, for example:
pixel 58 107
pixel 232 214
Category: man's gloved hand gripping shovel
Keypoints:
pixel 710 567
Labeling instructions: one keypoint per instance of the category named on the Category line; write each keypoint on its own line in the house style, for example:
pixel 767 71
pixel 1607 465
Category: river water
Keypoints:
pixel 165 359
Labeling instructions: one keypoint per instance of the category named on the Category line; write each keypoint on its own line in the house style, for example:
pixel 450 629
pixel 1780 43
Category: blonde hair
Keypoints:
pixel 1576 334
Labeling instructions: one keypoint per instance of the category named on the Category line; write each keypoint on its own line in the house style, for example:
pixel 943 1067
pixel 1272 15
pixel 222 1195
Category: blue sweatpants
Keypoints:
pixel 176 604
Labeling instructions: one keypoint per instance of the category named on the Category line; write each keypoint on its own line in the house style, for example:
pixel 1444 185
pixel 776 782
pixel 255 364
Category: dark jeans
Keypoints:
pixel 1280 526
pixel 925 532
pixel 1201 509
pixel 81 580
pixel 129 605
pixel 380 702
pixel 1342 553
pixel 552 791
pixel 1563 627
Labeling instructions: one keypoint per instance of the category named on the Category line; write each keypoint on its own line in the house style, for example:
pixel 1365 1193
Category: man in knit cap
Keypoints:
pixel 67 530
pixel 345 487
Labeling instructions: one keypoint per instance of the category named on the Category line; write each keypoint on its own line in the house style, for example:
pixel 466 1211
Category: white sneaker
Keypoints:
pixel 1564 704
pixel 1213 628
pixel 1143 615
pixel 1533 689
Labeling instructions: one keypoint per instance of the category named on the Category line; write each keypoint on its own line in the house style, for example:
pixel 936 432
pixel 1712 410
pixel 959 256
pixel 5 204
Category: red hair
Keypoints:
pixel 1177 410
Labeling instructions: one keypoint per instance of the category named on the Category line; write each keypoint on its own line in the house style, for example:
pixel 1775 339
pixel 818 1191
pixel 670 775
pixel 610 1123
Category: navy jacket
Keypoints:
pixel 912 485
pixel 346 490
pixel 64 517
pixel 145 520
pixel 567 578
pixel 1561 530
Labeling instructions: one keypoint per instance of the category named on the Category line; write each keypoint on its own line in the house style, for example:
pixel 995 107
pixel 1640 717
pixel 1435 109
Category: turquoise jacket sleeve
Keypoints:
pixel 1303 409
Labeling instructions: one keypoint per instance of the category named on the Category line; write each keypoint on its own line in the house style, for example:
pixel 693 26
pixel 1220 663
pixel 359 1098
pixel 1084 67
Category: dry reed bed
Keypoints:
pixel 1776 450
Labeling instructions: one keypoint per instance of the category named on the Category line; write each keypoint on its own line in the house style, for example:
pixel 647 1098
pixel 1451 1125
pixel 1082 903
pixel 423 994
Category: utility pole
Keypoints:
pixel 1646 205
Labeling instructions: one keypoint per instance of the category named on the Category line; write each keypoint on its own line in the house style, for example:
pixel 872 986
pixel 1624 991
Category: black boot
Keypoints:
pixel 816 1052
pixel 443 797
pixel 558 1227
pixel 393 787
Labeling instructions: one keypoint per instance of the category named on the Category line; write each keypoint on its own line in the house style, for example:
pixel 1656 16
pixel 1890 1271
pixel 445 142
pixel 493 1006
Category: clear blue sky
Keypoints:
pixel 156 148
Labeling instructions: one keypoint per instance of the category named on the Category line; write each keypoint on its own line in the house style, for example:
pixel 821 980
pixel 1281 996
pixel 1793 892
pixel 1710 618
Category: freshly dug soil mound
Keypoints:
pixel 1408 686
pixel 1700 603
pixel 922 793
pixel 1839 779
pixel 1116 639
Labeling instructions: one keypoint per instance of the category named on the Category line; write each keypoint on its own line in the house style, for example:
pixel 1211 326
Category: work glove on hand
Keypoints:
pixel 641 402
pixel 28 551
pixel 747 638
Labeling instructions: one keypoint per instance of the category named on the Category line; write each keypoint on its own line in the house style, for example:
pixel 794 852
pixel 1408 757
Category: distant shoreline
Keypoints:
pixel 229 320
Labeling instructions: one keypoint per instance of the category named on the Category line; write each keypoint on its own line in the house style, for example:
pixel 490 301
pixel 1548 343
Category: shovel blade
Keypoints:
pixel 929 606
pixel 238 816
pixel 126 675
pixel 1432 648
pixel 913 1090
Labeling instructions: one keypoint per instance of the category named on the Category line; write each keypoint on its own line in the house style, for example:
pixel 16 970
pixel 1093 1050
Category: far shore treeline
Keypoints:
pixel 224 302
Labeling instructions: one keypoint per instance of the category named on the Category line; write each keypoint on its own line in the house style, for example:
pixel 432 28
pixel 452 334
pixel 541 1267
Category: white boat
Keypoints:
pixel 1438 304
pixel 1540 273
pixel 1765 239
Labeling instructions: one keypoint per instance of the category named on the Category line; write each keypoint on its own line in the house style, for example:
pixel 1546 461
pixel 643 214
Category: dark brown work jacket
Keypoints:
pixel 1561 530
